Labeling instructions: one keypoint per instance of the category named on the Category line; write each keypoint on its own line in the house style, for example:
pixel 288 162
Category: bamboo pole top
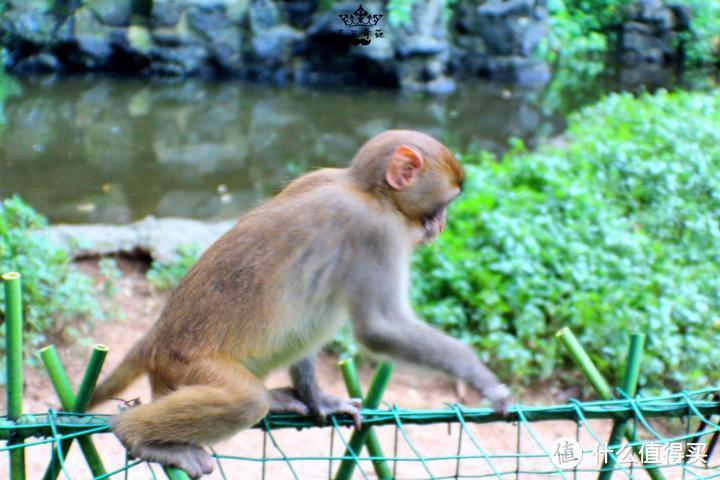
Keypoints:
pixel 10 276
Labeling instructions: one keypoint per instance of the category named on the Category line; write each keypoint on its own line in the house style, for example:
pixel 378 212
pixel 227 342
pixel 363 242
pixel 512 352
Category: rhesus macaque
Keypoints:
pixel 333 244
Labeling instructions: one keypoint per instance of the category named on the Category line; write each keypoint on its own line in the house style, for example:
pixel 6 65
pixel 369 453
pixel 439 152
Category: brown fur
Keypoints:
pixel 335 242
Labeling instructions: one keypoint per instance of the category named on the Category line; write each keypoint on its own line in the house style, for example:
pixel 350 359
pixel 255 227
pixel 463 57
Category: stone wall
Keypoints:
pixel 650 33
pixel 278 40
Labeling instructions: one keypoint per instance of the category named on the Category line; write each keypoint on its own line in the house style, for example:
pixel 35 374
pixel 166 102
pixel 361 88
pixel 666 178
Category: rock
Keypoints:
pixel 441 85
pixel 178 61
pixel 300 12
pixel 639 42
pixel 205 18
pixel 426 32
pixel 166 13
pixel 27 25
pixel 499 38
pixel 276 44
pixel 263 15
pixel 531 36
pixel 139 39
pixel 160 238
pixel 510 28
pixel 39 63
pixel 425 46
pixel 212 23
pixel 500 9
pixel 649 36
pixel 682 15
pixel 111 12
pixel 519 70
pixel 92 39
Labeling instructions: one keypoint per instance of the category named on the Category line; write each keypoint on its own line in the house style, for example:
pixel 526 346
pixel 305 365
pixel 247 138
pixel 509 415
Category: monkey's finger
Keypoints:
pixel 357 419
pixel 502 406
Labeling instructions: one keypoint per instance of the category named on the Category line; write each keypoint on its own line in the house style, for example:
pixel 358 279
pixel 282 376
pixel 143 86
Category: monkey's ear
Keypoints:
pixel 404 168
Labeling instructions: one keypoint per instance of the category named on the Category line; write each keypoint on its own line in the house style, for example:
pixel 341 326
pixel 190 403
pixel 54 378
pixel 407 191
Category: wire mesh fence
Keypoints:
pixel 621 436
pixel 672 435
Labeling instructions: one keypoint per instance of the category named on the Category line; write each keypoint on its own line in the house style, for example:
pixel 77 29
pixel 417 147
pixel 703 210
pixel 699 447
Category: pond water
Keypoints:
pixel 84 149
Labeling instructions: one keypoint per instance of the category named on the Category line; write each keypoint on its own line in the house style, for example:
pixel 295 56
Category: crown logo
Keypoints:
pixel 360 18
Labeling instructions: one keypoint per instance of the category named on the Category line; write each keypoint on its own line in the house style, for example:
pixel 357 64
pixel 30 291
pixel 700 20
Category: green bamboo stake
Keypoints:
pixel 598 382
pixel 372 401
pixel 629 385
pixel 74 403
pixel 352 383
pixel 174 473
pixel 14 365
pixel 577 352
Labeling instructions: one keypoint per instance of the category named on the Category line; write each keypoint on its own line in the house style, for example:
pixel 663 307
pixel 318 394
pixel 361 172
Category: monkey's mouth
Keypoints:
pixel 435 224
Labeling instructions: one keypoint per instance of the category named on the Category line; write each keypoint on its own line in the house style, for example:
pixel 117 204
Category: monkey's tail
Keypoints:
pixel 131 367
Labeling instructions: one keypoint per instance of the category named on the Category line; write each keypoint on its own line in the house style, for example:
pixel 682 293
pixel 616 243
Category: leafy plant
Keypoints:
pixel 55 294
pixel 615 232
pixel 168 276
pixel 588 28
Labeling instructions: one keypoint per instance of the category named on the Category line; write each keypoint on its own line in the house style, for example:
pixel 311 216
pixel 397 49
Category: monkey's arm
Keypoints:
pixel 305 396
pixel 384 322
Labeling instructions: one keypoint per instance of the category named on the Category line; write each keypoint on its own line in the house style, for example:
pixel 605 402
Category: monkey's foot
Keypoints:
pixel 331 405
pixel 286 400
pixel 194 460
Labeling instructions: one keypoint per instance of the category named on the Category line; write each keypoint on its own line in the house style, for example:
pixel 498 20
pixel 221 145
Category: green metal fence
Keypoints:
pixel 665 437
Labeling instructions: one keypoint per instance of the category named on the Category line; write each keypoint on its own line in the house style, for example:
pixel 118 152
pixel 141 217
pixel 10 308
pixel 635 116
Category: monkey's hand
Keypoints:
pixel 500 397
pixel 321 406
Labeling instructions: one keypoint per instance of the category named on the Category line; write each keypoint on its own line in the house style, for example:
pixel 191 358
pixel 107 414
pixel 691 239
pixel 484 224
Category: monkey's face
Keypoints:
pixel 423 188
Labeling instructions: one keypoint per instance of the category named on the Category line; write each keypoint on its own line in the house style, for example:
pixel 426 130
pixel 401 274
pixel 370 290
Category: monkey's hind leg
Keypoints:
pixel 213 399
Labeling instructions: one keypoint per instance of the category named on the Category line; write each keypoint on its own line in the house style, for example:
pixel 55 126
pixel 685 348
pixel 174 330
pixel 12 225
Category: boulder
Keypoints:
pixel 116 13
pixel 263 14
pixel 211 21
pixel 518 70
pixel 43 62
pixel 27 25
pixel 157 237
pixel 92 39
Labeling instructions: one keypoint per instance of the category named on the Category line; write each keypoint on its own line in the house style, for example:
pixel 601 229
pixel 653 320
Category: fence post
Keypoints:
pixel 74 403
pixel 14 365
pixel 372 401
pixel 352 384
pixel 580 356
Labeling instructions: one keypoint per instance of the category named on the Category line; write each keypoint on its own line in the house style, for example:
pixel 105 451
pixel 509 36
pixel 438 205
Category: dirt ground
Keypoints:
pixel 410 389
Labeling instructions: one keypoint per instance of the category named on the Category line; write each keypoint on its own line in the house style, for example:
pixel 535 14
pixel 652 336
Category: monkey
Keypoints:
pixel 334 244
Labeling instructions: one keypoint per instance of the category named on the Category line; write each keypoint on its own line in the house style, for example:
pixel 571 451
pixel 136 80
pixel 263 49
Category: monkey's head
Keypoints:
pixel 416 172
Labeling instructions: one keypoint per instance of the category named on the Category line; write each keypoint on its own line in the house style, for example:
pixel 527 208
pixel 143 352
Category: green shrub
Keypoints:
pixel 616 232
pixel 587 28
pixel 167 277
pixel 55 293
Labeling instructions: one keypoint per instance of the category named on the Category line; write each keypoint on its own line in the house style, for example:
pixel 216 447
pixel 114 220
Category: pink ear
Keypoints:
pixel 403 168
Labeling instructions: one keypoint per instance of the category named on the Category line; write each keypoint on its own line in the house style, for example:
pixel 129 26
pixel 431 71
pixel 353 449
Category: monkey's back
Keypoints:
pixel 271 288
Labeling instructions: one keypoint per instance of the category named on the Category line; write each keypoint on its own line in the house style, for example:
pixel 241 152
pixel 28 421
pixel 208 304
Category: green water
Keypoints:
pixel 83 149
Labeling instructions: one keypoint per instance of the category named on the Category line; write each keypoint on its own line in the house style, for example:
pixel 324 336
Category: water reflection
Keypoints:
pixel 84 149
